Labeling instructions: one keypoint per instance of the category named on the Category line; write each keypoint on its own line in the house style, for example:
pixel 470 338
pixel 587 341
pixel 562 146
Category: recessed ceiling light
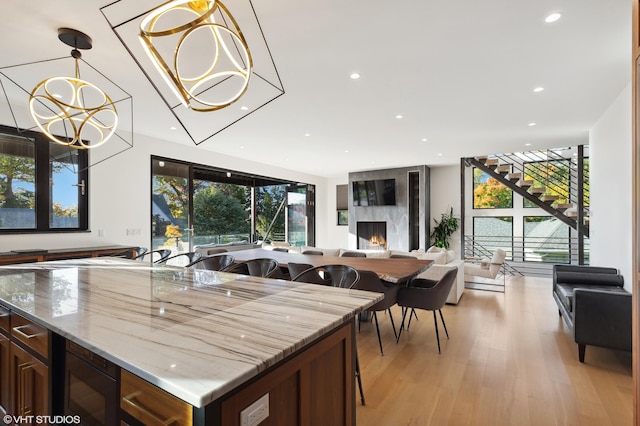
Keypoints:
pixel 241 147
pixel 172 128
pixel 307 134
pixel 552 18
pixel 439 154
pixel 424 139
pixel 244 108
pixel 538 89
pixel 527 144
pixel 532 124
pixel 398 116
pixel 346 150
pixel 355 76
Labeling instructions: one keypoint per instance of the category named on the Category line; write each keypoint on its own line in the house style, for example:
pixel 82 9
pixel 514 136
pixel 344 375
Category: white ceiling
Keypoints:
pixel 461 73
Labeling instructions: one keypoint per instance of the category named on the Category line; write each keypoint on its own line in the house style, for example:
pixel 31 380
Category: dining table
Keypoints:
pixel 395 271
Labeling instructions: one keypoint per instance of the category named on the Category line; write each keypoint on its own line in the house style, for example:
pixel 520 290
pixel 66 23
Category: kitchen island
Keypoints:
pixel 216 342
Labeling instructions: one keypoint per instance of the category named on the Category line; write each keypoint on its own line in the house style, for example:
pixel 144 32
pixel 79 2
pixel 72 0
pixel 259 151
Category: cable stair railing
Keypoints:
pixel 525 255
pixel 521 171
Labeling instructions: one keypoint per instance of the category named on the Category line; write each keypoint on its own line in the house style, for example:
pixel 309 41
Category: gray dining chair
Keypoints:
pixel 429 295
pixel 218 262
pixel 370 281
pixel 154 256
pixel 261 267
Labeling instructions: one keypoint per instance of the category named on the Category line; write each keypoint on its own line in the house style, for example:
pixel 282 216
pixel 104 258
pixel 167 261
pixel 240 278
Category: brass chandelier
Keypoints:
pixel 70 110
pixel 208 60
pixel 186 27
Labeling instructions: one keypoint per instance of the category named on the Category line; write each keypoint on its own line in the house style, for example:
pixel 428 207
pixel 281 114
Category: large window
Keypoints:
pixel 194 205
pixel 43 185
pixel 488 193
pixel 546 239
pixel 490 233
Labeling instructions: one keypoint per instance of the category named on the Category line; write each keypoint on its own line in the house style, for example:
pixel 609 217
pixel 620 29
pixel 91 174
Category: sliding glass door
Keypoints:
pixel 170 201
pixel 194 205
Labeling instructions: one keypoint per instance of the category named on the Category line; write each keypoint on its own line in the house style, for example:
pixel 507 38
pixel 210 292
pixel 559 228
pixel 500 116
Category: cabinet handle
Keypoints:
pixel 23 386
pixel 22 333
pixel 131 400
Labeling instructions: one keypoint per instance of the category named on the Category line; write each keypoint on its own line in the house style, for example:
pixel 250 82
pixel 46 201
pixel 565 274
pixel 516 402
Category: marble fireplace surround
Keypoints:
pixel 396 217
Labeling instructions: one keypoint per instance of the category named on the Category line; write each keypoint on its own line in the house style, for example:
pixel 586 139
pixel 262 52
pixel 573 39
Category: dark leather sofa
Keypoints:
pixel 594 305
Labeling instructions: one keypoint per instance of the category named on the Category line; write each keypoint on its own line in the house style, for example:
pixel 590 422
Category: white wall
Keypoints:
pixel 445 193
pixel 611 175
pixel 119 196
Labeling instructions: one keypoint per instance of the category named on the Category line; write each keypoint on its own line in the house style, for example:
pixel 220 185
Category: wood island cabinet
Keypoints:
pixel 24 371
pixel 30 383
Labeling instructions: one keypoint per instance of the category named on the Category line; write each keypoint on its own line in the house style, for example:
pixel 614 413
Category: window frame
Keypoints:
pixel 41 186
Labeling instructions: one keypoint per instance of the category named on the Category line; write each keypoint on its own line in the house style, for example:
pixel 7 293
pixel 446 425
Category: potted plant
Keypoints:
pixel 444 229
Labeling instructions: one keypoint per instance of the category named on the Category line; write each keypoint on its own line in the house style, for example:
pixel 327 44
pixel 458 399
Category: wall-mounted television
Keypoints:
pixel 379 192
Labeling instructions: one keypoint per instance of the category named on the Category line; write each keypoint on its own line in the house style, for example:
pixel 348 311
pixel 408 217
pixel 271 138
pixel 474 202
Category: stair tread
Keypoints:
pixel 492 162
pixel 524 182
pixel 549 197
pixel 537 190
pixel 515 176
pixel 503 168
pixel 564 206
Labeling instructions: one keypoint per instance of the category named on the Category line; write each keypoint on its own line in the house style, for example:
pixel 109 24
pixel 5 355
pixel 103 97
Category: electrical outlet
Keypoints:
pixel 255 413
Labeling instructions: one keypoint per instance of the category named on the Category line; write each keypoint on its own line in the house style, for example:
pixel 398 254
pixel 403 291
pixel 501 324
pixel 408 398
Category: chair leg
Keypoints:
pixel 375 317
pixel 395 333
pixel 404 314
pixel 359 379
pixel 443 323
pixel 581 350
pixel 437 334
pixel 411 315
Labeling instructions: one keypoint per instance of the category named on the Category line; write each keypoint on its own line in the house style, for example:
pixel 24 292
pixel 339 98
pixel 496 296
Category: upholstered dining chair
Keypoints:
pixel 337 276
pixel 429 295
pixel 218 262
pixel 313 252
pixel 154 256
pixel 370 281
pixel 261 267
pixel 281 249
pixel 130 253
pixel 296 269
pixel 353 254
pixel 342 276
pixel 181 259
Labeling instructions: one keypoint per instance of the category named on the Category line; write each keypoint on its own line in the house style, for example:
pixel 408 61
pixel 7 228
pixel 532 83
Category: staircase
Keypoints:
pixel 547 179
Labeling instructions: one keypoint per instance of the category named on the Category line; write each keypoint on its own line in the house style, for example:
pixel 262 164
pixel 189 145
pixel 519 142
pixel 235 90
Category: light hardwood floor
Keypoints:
pixel 510 360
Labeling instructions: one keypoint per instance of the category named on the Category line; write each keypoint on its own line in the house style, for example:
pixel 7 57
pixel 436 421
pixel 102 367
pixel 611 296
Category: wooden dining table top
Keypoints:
pixel 396 270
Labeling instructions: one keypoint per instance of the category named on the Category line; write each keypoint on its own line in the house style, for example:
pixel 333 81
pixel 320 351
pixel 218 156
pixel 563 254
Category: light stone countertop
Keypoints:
pixel 196 334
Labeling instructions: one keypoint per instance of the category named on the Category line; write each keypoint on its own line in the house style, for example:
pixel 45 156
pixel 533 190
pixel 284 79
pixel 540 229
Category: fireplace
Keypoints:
pixel 372 235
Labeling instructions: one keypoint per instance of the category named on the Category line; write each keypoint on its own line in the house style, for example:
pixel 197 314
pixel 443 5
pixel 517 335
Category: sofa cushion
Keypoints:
pixel 437 258
pixel 565 292
pixel 589 279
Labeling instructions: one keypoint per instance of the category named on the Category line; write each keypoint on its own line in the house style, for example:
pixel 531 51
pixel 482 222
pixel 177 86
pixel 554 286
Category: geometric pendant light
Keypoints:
pixel 70 101
pixel 72 111
pixel 208 60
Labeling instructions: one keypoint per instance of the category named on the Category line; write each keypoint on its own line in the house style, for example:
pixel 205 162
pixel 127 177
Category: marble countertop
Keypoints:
pixel 194 333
